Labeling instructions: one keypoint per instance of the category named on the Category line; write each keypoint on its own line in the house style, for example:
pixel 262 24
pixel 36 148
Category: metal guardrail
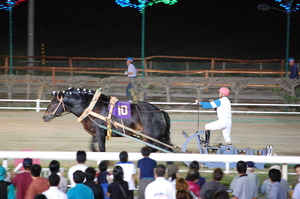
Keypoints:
pixel 38 107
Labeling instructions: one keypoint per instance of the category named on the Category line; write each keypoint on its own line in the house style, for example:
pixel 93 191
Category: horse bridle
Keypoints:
pixel 61 102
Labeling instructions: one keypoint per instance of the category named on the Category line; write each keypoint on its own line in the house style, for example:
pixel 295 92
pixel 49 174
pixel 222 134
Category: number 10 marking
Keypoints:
pixel 122 110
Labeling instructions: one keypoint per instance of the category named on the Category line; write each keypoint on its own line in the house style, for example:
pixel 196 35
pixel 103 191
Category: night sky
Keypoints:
pixel 202 28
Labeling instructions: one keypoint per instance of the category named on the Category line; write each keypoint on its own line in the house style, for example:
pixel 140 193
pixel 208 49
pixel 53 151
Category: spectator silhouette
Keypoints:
pixel 146 168
pixel 80 191
pixel 129 171
pixel 118 189
pixel 103 176
pixel 80 158
pixel 90 174
pixel 54 191
pixel 210 188
pixel 54 168
pixel 38 184
pixel 23 179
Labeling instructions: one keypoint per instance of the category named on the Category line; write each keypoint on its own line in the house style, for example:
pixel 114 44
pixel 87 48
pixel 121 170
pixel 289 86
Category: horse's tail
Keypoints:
pixel 168 126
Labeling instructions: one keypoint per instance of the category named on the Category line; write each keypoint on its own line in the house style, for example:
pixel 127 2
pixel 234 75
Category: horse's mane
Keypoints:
pixel 85 94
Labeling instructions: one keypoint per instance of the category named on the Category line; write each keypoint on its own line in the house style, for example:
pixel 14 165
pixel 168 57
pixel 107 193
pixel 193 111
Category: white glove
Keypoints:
pixel 197 101
pixel 126 72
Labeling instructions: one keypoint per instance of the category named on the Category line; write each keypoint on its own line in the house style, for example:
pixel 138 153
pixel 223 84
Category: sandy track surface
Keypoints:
pixel 25 130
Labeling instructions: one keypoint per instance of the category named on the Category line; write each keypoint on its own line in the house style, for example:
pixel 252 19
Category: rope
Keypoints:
pixel 133 138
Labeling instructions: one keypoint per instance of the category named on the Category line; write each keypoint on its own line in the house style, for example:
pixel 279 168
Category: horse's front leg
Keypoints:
pixel 100 135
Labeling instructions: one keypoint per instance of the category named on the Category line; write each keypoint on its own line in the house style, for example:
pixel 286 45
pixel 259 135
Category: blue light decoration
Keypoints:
pixel 288 5
pixel 142 4
pixel 9 4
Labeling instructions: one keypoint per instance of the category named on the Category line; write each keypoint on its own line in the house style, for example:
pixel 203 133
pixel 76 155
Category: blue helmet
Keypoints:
pixel 130 59
pixel 291 59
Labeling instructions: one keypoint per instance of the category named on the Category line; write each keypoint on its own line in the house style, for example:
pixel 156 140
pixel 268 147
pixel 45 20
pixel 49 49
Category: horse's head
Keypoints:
pixel 66 100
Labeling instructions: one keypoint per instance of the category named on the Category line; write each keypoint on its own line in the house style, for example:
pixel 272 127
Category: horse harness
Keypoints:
pixel 61 102
pixel 89 111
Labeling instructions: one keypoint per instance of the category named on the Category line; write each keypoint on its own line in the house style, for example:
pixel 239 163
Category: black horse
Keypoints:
pixel 145 117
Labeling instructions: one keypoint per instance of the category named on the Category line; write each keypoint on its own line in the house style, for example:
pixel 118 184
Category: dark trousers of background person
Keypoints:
pixel 142 186
pixel 130 86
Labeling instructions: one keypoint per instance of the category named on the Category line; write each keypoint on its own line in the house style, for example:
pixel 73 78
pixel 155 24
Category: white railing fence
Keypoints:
pixel 39 108
pixel 176 157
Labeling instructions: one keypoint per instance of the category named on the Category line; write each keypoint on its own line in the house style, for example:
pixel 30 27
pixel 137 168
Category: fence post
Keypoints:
pixel 260 67
pixel 38 105
pixel 206 74
pixel 6 65
pixel 71 66
pixel 53 78
pixel 187 67
pixel 212 66
pixel 285 171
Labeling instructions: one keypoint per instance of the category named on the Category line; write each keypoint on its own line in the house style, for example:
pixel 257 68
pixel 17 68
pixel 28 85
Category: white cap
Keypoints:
pixel 276 167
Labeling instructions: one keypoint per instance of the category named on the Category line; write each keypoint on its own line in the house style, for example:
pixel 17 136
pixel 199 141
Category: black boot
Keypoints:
pixel 207 137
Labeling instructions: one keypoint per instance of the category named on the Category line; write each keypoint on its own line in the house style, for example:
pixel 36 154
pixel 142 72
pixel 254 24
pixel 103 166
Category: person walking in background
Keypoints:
pixel 277 190
pixel 54 168
pixel 80 158
pixel 80 191
pixel 118 189
pixel 244 187
pixel 129 171
pixel 266 185
pixel 145 171
pixel 90 174
pixel 223 108
pixel 214 185
pixel 132 74
pixel 38 184
pixel 294 69
pixel 23 179
pixel 160 187
pixel 54 191
pixel 103 176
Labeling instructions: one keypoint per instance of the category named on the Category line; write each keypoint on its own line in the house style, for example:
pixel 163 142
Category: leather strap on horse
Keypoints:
pixel 112 103
pixel 90 108
pixel 175 148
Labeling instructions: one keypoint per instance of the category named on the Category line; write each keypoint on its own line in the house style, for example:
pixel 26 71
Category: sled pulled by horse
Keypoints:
pixel 104 117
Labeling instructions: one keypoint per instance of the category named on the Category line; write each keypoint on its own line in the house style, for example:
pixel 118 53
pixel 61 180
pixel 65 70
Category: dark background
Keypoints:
pixel 203 28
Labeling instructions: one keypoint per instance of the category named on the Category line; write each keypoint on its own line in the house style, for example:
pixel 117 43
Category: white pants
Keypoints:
pixel 221 124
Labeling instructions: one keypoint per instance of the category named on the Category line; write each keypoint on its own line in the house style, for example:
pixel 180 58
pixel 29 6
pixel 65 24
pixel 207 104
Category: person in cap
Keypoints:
pixel 223 108
pixel 294 69
pixel 173 173
pixel 132 74
pixel 7 190
pixel 266 185
pixel 23 179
